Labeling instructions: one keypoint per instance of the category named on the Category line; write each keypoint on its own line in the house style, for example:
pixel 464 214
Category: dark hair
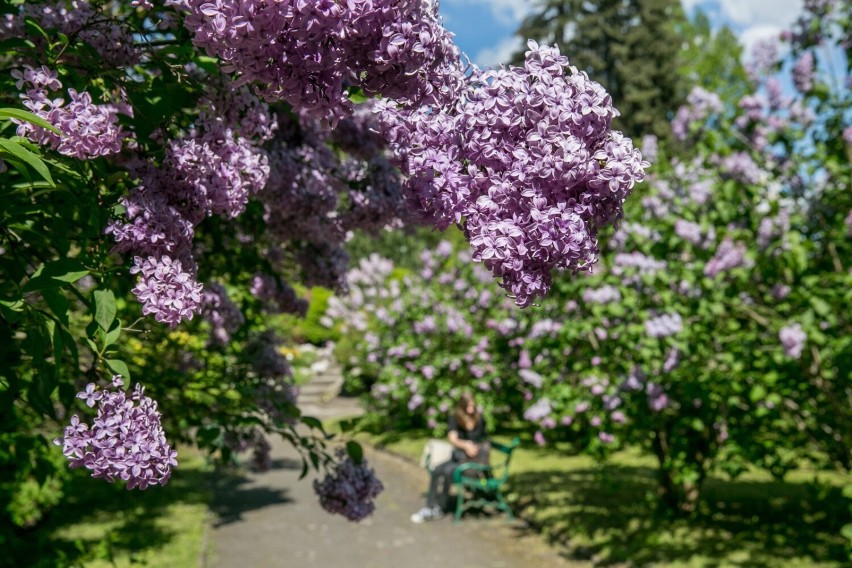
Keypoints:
pixel 463 419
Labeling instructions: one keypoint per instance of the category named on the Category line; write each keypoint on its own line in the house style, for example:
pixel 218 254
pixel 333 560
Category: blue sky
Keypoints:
pixel 485 28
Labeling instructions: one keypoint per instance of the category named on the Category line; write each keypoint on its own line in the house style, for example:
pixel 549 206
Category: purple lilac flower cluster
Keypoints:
pixel 124 442
pixel 88 130
pixel 728 255
pixel 349 489
pixel 793 339
pixel 277 295
pixel 603 295
pixel 664 325
pixel 658 400
pixel 689 231
pixel 224 315
pixel 700 105
pixel 316 198
pixel 803 72
pixel 525 161
pixel 211 171
pixel 89 22
pixel 819 19
pixel 307 52
pixel 764 58
pixel 263 355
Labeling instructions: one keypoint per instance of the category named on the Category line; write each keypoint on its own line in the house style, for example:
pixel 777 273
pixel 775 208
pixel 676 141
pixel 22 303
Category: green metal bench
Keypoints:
pixel 479 485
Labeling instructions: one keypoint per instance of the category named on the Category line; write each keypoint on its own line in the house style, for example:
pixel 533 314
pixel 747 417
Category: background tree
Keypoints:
pixel 711 58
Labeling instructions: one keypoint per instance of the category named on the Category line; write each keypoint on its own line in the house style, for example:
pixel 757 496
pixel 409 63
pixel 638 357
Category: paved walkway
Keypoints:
pixel 272 519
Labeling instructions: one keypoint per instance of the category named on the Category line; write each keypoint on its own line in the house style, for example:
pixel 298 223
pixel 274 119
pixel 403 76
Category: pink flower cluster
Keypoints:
pixel 88 130
pixel 525 161
pixel 124 442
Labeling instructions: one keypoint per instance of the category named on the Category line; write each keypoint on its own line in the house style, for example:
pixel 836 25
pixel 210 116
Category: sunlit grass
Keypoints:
pixel 607 512
pixel 101 525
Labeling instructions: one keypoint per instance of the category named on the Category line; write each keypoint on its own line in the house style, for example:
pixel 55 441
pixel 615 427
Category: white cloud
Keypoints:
pixel 500 53
pixel 749 13
pixel 509 12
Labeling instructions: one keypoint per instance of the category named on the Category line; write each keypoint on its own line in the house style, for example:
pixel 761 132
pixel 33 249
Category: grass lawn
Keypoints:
pixel 102 525
pixel 606 513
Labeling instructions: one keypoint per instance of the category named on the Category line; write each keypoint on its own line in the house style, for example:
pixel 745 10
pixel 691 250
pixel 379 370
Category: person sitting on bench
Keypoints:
pixel 470 443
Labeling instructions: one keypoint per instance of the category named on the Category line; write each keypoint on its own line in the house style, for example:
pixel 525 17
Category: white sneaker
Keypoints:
pixel 427 514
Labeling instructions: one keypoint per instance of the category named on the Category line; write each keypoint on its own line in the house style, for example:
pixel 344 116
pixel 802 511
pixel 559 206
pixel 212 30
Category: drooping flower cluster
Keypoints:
pixel 316 196
pixel 793 339
pixel 124 442
pixel 803 72
pixel 349 489
pixel 211 171
pixel 729 255
pixel 525 161
pixel 307 52
pixel 277 296
pixel 224 315
pixel 88 130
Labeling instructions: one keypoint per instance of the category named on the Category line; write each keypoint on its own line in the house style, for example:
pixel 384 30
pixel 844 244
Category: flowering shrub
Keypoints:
pixel 175 173
pixel 712 332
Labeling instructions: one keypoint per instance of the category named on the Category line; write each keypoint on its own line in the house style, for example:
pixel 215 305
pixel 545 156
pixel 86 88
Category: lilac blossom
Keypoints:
pixel 664 325
pixel 793 339
pixel 803 72
pixel 88 130
pixel 531 378
pixel 700 105
pixel 166 290
pixel 764 58
pixel 604 295
pixel 729 255
pixel 349 488
pixel 688 231
pixel 224 316
pixel 657 398
pixel 526 161
pixel 277 295
pixel 124 442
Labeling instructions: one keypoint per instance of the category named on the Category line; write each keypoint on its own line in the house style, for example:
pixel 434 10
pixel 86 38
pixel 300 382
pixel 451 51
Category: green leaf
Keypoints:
pixel 358 97
pixel 104 308
pixel 19 114
pixel 54 274
pixel 312 422
pixel 11 309
pixel 57 303
pixel 112 336
pixel 118 367
pixel 355 451
pixel 35 162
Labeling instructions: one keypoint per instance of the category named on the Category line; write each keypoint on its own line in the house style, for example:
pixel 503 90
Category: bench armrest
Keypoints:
pixel 457 474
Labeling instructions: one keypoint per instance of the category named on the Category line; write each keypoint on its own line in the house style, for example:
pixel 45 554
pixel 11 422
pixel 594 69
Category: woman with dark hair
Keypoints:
pixel 467 435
